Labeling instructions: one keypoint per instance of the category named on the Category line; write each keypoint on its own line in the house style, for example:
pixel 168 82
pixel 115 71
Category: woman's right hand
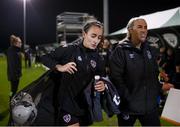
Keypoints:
pixel 69 67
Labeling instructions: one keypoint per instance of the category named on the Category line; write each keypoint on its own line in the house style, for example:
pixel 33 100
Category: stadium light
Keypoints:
pixel 24 21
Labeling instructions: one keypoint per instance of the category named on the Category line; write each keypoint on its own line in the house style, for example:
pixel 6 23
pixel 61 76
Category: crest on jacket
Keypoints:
pixel 67 118
pixel 93 63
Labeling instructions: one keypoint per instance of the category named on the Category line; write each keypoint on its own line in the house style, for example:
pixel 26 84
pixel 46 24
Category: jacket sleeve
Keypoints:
pixel 117 72
pixel 56 57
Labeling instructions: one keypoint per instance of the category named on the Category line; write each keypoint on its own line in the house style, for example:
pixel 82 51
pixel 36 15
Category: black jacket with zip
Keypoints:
pixel 70 95
pixel 134 72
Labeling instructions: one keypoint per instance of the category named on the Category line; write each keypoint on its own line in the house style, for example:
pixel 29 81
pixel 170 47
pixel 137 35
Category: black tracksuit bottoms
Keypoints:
pixel 150 119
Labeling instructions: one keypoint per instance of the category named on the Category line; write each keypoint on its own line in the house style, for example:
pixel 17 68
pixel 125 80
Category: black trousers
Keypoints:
pixel 14 87
pixel 151 119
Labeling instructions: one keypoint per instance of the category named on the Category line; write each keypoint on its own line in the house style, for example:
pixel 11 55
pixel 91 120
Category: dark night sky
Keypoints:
pixel 41 15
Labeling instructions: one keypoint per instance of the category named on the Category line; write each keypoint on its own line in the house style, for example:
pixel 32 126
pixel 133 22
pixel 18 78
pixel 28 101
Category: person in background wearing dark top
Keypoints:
pixel 37 57
pixel 28 57
pixel 78 64
pixel 105 51
pixel 134 72
pixel 161 60
pixel 166 62
pixel 162 57
pixel 14 65
pixel 169 67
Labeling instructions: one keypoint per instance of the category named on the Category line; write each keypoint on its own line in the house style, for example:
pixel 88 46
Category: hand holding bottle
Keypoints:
pixel 99 85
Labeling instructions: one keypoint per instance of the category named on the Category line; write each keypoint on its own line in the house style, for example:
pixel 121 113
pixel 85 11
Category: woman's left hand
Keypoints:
pixel 100 86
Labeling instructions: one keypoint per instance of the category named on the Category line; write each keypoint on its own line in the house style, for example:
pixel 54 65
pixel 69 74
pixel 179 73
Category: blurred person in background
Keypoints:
pixel 169 67
pixel 37 57
pixel 162 57
pixel 105 51
pixel 14 63
pixel 28 57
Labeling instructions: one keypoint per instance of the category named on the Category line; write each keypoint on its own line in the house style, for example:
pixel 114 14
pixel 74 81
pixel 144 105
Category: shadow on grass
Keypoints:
pixel 3 114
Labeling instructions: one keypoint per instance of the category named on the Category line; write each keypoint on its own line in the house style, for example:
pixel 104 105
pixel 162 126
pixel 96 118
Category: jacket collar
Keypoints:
pixel 82 47
pixel 128 45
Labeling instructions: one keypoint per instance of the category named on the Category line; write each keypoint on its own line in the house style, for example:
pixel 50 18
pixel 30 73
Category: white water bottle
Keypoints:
pixel 96 79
